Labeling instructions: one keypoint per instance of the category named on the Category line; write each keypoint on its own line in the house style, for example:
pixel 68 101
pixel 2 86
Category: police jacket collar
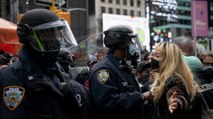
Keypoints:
pixel 116 61
pixel 31 68
pixel 29 63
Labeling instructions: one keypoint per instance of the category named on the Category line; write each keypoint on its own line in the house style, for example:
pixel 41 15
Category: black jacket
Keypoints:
pixel 114 90
pixel 188 109
pixel 28 92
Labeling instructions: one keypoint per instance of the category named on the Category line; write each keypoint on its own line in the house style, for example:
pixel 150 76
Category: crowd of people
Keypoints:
pixel 42 82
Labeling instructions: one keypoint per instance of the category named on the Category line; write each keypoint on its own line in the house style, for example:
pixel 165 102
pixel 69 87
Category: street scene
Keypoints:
pixel 106 59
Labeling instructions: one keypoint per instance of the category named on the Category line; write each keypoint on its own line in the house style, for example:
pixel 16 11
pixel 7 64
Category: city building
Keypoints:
pixel 171 18
pixel 9 10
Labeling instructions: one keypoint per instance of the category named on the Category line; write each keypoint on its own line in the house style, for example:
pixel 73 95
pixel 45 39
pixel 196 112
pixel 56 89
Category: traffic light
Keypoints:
pixel 19 17
pixel 65 16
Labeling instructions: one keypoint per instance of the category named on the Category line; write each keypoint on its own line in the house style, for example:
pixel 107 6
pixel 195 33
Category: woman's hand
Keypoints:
pixel 147 95
pixel 172 102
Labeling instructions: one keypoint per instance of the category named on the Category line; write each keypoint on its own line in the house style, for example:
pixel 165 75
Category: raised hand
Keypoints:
pixel 172 102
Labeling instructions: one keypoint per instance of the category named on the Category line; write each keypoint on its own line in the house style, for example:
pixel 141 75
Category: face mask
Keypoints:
pixel 154 64
pixel 132 56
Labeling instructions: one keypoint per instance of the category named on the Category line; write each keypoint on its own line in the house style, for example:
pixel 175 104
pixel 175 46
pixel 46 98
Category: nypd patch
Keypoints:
pixel 103 75
pixel 13 96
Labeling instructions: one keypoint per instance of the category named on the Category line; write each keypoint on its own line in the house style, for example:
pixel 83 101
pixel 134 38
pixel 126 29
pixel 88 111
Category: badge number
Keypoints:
pixel 13 96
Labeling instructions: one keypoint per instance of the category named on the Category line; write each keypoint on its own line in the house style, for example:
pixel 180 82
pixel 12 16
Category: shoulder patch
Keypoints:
pixel 103 75
pixel 13 96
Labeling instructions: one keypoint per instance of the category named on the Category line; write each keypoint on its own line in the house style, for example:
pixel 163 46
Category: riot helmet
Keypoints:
pixel 44 31
pixel 123 37
pixel 5 57
pixel 44 34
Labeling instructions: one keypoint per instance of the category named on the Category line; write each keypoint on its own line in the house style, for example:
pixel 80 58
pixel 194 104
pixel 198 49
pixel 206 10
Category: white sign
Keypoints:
pixel 138 24
pixel 58 3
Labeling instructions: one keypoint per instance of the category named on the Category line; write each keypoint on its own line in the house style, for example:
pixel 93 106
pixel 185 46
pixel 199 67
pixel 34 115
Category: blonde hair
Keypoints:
pixel 173 64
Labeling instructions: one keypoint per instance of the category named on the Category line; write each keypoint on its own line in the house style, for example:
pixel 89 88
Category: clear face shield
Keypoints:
pixel 133 52
pixel 132 44
pixel 53 36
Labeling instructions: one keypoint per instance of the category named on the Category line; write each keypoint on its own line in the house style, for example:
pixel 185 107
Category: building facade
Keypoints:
pixel 172 18
pixel 9 10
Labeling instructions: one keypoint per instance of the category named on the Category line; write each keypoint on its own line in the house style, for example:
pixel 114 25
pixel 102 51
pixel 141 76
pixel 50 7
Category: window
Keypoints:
pixel 132 13
pixel 110 10
pixel 125 12
pixel 139 13
pixel 187 22
pixel 117 2
pixel 178 32
pixel 138 3
pixel 124 2
pixel 181 21
pixel 131 2
pixel 103 10
pixel 102 0
pixel 118 11
pixel 110 1
pixel 211 4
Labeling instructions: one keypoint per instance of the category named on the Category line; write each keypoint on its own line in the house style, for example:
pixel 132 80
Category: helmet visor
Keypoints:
pixel 127 40
pixel 53 36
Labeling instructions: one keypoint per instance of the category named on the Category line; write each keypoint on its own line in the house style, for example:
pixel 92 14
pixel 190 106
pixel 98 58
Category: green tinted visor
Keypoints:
pixel 53 36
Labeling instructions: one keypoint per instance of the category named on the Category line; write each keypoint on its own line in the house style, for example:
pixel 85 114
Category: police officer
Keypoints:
pixel 113 87
pixel 34 87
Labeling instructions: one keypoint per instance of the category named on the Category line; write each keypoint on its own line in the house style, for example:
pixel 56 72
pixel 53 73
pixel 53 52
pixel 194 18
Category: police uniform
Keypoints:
pixel 28 92
pixel 114 90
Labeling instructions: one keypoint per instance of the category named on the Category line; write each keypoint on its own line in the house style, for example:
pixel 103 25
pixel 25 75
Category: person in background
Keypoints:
pixel 174 90
pixel 101 53
pixel 196 68
pixel 153 71
pixel 203 76
pixel 144 55
pixel 150 56
pixel 35 87
pixel 207 58
pixel 143 73
pixel 113 87
pixel 92 60
pixel 5 59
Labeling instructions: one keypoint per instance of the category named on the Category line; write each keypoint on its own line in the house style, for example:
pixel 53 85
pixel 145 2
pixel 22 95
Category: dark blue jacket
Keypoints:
pixel 29 92
pixel 114 90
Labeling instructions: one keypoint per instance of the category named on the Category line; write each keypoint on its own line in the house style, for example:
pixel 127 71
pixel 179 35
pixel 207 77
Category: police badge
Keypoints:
pixel 103 75
pixel 13 96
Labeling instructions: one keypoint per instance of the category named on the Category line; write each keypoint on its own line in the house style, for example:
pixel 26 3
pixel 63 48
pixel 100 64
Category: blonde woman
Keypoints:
pixel 174 89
